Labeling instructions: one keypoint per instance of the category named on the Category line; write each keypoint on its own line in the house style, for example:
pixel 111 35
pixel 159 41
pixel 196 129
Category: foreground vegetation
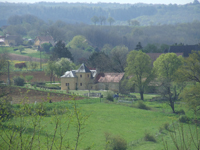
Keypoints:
pixel 87 124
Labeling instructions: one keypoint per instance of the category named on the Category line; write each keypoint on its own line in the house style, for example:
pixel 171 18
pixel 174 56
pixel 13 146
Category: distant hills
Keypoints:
pixel 146 14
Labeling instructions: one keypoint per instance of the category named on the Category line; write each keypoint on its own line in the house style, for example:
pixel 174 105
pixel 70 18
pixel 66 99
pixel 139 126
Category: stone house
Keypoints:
pixel 86 79
pixel 12 40
pixel 39 40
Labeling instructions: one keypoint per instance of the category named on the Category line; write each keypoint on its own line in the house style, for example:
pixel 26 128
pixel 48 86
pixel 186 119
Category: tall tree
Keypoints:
pixel 139 70
pixel 95 19
pixel 166 66
pixel 59 51
pixel 111 20
pixel 63 65
pixel 101 61
pixel 190 71
pixel 138 46
pixel 102 19
pixel 119 55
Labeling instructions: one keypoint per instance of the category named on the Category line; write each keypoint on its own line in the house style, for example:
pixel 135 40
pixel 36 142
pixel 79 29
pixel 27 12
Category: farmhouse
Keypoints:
pixel 86 79
pixel 43 39
pixel 11 40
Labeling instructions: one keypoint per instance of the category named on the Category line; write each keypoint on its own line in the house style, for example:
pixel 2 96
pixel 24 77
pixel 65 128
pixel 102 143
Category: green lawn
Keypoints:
pixel 27 52
pixel 129 122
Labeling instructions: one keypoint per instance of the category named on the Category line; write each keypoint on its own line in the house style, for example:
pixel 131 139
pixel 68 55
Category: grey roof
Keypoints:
pixel 83 68
pixel 69 74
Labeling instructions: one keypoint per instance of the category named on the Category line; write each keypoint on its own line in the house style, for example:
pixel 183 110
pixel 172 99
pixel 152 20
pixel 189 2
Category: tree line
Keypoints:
pixel 147 14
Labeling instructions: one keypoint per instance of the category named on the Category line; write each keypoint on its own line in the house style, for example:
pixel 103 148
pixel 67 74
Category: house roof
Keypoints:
pixel 45 38
pixel 83 68
pixel 11 37
pixel 109 77
pixel 185 49
pixel 154 56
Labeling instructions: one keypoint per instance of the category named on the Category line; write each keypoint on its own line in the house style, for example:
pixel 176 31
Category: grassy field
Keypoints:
pixel 124 120
pixel 27 52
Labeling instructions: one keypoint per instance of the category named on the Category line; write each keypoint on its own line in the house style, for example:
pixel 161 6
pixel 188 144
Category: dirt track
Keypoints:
pixel 23 58
pixel 29 95
pixel 38 76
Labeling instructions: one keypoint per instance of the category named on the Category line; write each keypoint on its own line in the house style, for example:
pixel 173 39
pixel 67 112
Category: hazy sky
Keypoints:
pixel 107 1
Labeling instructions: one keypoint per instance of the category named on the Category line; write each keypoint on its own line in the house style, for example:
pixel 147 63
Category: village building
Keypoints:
pixel 86 79
pixel 12 40
pixel 39 40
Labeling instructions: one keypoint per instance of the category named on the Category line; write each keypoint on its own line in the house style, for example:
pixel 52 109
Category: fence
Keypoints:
pixel 92 94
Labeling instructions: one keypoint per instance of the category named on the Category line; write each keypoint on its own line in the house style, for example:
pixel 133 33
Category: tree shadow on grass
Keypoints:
pixel 25 130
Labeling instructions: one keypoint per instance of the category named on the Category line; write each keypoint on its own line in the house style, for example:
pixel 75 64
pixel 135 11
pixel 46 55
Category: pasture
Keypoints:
pixel 124 120
pixel 27 52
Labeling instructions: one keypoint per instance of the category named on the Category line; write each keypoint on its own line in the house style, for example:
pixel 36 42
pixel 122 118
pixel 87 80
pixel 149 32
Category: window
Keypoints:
pixel 81 75
pixel 88 75
pixel 80 84
pixel 67 84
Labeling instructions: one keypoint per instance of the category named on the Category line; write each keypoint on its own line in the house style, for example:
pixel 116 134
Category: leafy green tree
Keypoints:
pixel 63 65
pixel 119 55
pixel 59 51
pixel 111 20
pixel 95 19
pixel 166 66
pixel 3 62
pixel 46 47
pixel 21 48
pixel 139 70
pixel 100 60
pixel 79 42
pixel 50 70
pixel 135 23
pixel 190 71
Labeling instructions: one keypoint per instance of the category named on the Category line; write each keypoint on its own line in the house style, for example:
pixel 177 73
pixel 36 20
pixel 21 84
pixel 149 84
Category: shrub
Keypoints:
pixel 166 126
pixel 6 110
pixel 110 97
pixel 28 78
pixel 149 137
pixel 181 111
pixel 40 109
pixel 19 81
pixel 141 105
pixel 184 119
pixel 115 142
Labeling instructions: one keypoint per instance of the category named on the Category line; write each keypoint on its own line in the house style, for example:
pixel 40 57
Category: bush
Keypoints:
pixel 184 119
pixel 166 126
pixel 6 110
pixel 141 105
pixel 40 109
pixel 19 81
pixel 110 97
pixel 181 111
pixel 28 78
pixel 115 142
pixel 149 137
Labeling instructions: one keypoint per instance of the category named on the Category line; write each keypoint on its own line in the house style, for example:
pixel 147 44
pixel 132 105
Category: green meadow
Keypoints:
pixel 99 118
pixel 27 52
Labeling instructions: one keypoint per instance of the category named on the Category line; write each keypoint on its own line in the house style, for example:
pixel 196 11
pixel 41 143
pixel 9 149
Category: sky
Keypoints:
pixel 107 1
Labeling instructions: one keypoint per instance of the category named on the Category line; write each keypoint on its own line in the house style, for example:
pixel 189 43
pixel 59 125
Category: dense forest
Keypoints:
pixel 146 14
pixel 102 27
